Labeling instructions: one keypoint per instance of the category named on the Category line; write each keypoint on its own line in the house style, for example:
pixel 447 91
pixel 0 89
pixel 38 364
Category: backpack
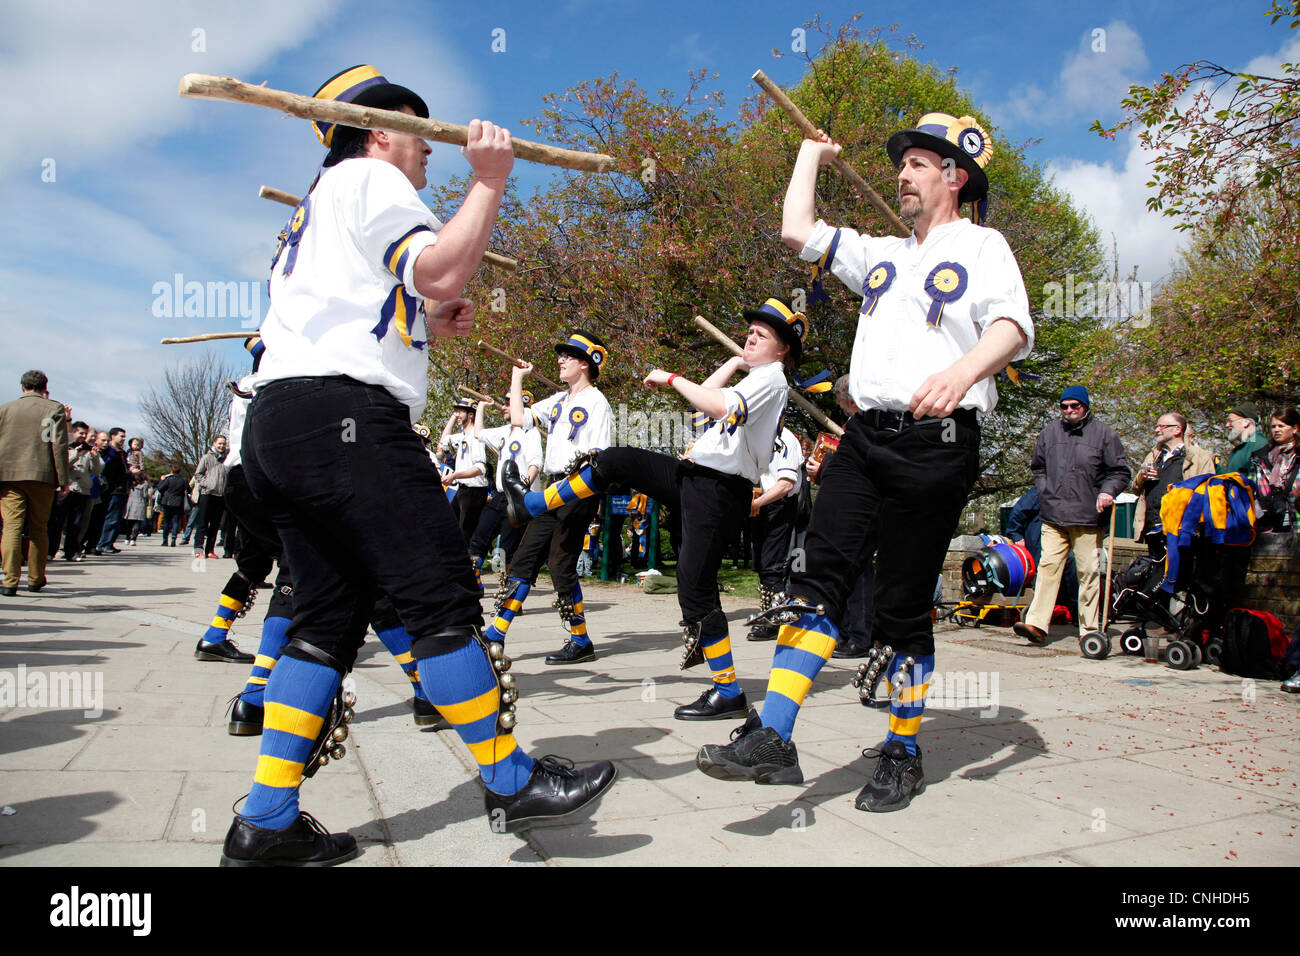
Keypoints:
pixel 1254 644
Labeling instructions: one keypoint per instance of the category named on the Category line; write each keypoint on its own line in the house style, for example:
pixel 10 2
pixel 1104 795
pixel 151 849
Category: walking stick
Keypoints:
pixel 1110 559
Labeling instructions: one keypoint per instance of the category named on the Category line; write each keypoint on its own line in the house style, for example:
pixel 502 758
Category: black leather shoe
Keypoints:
pixel 555 789
pixel 112 550
pixel 898 777
pixel 755 753
pixel 221 651
pixel 245 718
pixel 713 706
pixel 426 715
pixel 302 843
pixel 36 587
pixel 515 490
pixel 9 592
pixel 763 632
pixel 850 649
pixel 572 653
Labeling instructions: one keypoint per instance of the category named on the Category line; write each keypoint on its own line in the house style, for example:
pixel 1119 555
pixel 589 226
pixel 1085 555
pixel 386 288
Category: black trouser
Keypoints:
pixel 897 494
pixel 773 532
pixel 555 536
pixel 259 544
pixel 493 521
pixel 75 506
pixel 713 506
pixel 211 510
pixel 95 525
pixel 360 508
pixel 468 505
pixel 855 626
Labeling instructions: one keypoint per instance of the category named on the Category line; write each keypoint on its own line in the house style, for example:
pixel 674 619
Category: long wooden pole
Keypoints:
pixel 795 396
pixel 810 131
pixel 210 337
pixel 289 199
pixel 520 364
pixel 207 86
pixel 475 393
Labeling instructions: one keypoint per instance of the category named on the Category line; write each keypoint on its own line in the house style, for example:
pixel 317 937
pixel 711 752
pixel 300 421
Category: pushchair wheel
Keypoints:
pixel 1198 656
pixel 1095 646
pixel 1213 651
pixel 1179 656
pixel 1131 642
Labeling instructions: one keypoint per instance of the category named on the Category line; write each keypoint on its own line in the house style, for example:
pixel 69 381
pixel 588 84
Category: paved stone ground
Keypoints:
pixel 1071 763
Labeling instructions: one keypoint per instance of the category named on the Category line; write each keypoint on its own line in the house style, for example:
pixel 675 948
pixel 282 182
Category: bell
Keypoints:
pixel 512 708
pixel 508 697
pixel 507 681
pixel 338 751
pixel 349 699
pixel 506 720
pixel 496 650
pixel 348 715
pixel 340 734
pixel 323 759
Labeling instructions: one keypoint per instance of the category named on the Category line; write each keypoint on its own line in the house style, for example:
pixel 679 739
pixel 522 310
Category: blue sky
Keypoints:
pixel 112 184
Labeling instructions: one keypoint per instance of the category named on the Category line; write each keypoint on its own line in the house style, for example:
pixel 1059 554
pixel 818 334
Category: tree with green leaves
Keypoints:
pixel 689 224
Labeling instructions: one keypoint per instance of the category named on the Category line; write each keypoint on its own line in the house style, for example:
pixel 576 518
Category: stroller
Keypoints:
pixel 1190 592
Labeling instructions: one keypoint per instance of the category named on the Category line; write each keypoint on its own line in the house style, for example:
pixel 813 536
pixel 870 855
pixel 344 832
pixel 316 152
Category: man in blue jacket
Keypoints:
pixel 1079 467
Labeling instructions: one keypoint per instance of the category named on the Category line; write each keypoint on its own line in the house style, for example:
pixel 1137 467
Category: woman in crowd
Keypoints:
pixel 1273 469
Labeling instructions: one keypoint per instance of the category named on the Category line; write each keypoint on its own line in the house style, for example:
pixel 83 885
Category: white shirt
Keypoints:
pixel 238 411
pixel 573 425
pixel 787 456
pixel 470 453
pixel 522 446
pixel 741 444
pixel 896 347
pixel 343 296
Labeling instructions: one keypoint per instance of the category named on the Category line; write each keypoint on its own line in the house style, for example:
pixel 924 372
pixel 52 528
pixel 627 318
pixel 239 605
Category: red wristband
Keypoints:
pixel 671 376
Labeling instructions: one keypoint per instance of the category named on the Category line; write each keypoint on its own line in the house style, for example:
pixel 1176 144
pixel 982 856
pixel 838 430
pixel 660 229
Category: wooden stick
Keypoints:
pixel 289 199
pixel 206 86
pixel 210 337
pixel 806 127
pixel 520 363
pixel 797 396
pixel 475 393
pixel 1110 570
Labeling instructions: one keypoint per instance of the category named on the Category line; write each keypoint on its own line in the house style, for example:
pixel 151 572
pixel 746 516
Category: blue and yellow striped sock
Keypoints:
pixel 717 653
pixel 398 642
pixel 463 686
pixel 514 602
pixel 228 609
pixel 297 699
pixel 905 712
pixel 584 484
pixel 578 623
pixel 478 574
pixel 801 650
pixel 275 634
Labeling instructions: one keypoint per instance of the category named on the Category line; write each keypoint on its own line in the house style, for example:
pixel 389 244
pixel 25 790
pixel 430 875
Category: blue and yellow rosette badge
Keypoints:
pixel 879 279
pixel 945 283
pixel 577 418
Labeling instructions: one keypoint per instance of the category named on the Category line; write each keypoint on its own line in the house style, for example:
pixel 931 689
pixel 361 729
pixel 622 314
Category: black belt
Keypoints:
pixel 884 419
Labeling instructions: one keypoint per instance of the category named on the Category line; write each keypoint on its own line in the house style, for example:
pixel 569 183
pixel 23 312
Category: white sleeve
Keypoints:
pixel 1001 291
pixel 852 259
pixel 600 426
pixel 495 438
pixel 753 394
pixel 393 226
pixel 789 459
pixel 538 414
pixel 532 450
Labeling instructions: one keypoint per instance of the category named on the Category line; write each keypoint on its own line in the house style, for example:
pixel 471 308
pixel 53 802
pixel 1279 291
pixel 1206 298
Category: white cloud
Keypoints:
pixel 1116 196
pixel 1098 74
